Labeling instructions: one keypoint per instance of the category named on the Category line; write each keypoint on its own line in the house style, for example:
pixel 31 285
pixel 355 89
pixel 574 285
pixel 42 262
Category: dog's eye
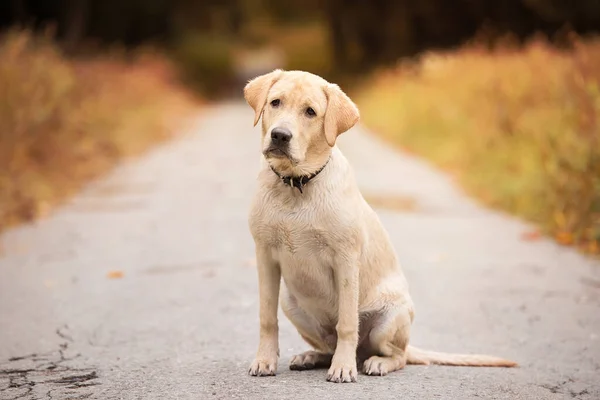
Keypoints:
pixel 275 103
pixel 310 112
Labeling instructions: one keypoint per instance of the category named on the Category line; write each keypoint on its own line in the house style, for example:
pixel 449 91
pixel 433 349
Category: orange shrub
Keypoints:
pixel 519 127
pixel 64 121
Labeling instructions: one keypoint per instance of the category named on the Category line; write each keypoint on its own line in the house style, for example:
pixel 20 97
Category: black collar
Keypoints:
pixel 299 181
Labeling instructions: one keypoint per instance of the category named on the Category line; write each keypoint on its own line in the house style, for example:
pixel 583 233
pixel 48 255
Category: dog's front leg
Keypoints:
pixel 269 277
pixel 343 365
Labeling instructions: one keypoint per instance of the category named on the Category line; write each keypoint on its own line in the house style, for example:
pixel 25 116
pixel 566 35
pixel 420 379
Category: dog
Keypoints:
pixel 321 251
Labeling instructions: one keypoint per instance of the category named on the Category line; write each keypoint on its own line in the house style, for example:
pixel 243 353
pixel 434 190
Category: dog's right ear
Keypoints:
pixel 255 91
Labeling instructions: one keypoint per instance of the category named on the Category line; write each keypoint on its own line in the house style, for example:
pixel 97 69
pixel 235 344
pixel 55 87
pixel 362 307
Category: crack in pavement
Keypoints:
pixel 561 388
pixel 21 376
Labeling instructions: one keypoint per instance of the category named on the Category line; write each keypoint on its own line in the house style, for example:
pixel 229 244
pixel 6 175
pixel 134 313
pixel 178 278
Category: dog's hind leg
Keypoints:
pixel 310 360
pixel 312 332
pixel 388 340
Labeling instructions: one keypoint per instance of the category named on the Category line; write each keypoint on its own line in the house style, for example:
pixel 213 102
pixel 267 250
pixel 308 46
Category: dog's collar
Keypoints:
pixel 299 181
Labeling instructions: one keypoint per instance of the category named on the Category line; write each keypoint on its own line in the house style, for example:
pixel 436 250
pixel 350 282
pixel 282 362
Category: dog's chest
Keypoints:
pixel 302 240
pixel 292 231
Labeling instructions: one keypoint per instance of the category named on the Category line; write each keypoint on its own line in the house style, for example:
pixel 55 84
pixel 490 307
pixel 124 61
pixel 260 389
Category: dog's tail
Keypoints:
pixel 426 357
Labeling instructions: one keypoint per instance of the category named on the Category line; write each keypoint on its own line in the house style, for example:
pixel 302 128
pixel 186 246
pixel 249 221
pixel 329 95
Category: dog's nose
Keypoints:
pixel 280 136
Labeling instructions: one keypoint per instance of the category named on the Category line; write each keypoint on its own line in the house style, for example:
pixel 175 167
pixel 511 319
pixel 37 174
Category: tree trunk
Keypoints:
pixel 19 12
pixel 335 19
pixel 75 22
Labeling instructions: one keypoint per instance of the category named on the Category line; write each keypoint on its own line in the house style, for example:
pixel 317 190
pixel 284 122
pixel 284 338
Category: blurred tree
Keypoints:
pixel 362 33
pixel 583 15
pixel 365 34
pixel 19 11
pixel 74 21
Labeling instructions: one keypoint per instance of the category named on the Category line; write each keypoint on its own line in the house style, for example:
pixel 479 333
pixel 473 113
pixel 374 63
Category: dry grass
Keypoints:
pixel 63 122
pixel 519 128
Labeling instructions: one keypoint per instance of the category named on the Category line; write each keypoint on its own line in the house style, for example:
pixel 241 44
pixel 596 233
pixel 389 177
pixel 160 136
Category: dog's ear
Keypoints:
pixel 256 90
pixel 341 115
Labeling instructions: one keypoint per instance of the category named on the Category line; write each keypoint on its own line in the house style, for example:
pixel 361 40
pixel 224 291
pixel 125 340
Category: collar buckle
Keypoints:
pixel 299 182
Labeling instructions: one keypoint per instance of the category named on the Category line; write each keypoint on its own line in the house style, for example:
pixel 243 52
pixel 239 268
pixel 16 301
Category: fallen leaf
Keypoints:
pixel 115 274
pixel 209 274
pixel 531 236
pixel 50 283
pixel 435 258
pixel 564 238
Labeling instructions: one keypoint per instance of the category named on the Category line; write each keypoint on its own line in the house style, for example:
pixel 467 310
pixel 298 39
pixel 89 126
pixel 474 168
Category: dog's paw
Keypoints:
pixel 381 366
pixel 376 366
pixel 310 360
pixel 342 372
pixel 263 367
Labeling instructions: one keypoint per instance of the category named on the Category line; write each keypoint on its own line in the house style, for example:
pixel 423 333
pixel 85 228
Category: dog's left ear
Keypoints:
pixel 341 115
pixel 255 91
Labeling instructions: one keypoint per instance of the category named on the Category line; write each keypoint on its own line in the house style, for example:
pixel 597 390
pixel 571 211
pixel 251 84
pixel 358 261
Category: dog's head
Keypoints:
pixel 302 115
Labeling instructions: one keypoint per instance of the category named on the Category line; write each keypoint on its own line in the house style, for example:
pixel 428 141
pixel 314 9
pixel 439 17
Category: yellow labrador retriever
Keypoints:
pixel 343 288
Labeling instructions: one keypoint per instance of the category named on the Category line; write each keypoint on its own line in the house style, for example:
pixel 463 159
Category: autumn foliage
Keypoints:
pixel 519 127
pixel 63 121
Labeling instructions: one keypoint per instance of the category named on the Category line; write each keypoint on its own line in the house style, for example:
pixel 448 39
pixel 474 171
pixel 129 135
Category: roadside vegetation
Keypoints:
pixel 516 124
pixel 519 127
pixel 64 121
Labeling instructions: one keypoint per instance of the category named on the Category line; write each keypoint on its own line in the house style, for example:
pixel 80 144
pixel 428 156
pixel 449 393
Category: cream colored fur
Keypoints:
pixel 323 253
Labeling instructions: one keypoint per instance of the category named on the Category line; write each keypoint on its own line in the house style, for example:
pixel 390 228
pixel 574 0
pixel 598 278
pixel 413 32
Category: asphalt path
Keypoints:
pixel 144 285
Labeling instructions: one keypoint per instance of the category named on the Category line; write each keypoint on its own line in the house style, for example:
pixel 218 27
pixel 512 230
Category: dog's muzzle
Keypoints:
pixel 280 142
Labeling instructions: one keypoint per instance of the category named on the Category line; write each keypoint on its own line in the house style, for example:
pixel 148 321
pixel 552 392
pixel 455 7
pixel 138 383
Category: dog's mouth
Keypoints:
pixel 276 152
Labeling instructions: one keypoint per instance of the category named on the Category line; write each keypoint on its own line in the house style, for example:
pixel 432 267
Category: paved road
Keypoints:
pixel 182 321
